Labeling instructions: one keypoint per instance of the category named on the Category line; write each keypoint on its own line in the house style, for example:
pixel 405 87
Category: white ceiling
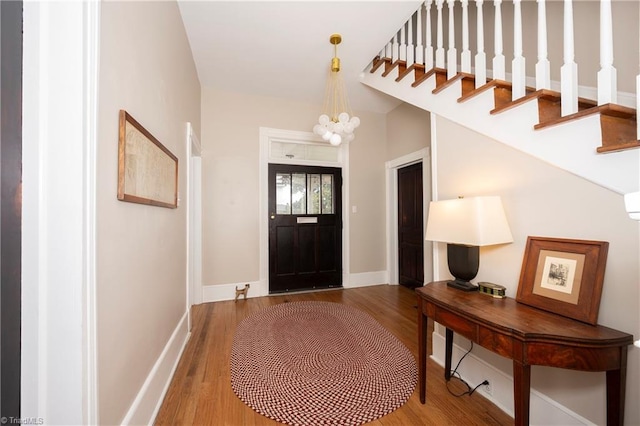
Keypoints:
pixel 282 49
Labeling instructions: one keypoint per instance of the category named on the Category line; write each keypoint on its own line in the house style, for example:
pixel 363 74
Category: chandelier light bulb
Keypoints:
pixel 335 139
pixel 343 117
pixel 327 135
pixel 324 119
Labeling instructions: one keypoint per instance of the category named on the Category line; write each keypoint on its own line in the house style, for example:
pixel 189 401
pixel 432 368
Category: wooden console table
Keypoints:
pixel 526 335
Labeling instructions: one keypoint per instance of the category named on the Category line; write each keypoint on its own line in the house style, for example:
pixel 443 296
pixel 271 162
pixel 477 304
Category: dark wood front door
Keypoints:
pixel 11 206
pixel 410 229
pixel 305 227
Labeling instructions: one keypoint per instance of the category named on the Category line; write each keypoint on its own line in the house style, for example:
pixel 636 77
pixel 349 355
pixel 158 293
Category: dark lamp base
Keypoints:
pixel 462 285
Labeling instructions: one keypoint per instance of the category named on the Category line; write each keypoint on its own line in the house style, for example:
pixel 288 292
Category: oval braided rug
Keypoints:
pixel 308 363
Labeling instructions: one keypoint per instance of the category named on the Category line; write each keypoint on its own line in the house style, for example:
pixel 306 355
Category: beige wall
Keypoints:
pixel 231 186
pixel 541 200
pixel 408 130
pixel 146 68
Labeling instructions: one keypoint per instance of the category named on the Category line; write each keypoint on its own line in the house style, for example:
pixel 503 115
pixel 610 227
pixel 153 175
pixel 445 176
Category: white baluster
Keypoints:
pixel 403 44
pixel 481 57
pixel 543 66
pixel 428 50
pixel 410 46
pixel 419 48
pixel 388 50
pixel 440 48
pixel 569 70
pixel 452 52
pixel 498 59
pixel 395 48
pixel 607 76
pixel 518 84
pixel 465 56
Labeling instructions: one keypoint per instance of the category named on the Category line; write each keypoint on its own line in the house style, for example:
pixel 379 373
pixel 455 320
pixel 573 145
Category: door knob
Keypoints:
pixel 273 216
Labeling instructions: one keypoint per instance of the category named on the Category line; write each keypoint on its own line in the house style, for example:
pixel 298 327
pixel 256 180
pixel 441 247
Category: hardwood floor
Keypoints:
pixel 200 392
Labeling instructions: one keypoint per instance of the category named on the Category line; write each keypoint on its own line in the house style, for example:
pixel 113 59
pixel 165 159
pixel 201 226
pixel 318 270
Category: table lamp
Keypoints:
pixel 466 224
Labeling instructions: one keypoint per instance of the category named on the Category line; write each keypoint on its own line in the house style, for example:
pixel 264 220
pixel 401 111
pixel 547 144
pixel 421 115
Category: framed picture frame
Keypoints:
pixel 563 276
pixel 147 170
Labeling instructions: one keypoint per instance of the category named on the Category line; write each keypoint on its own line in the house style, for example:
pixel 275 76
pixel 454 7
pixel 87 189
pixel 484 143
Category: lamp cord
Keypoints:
pixel 455 374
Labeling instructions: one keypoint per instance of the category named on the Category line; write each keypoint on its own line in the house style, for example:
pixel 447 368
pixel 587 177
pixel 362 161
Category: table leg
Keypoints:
pixel 616 382
pixel 448 350
pixel 422 352
pixel 521 392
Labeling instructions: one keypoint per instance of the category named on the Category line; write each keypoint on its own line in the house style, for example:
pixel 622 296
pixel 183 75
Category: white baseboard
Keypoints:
pixel 366 279
pixel 222 292
pixel 145 407
pixel 543 410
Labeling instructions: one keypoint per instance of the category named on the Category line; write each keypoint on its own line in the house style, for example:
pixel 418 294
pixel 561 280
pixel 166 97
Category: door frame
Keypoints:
pixel 268 135
pixel 194 221
pixel 392 167
pixel 59 238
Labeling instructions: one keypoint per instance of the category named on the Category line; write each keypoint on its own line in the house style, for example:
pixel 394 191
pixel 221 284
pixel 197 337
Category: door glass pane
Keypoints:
pixel 327 194
pixel 313 197
pixel 299 193
pixel 283 193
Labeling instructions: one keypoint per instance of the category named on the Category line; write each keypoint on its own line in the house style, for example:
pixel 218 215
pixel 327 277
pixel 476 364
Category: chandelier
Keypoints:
pixel 336 123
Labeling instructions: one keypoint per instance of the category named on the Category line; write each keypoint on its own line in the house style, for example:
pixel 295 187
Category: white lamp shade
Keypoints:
pixel 473 221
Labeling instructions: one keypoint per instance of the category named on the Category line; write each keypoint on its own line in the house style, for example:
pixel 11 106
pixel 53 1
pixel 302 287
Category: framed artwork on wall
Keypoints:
pixel 147 170
pixel 563 276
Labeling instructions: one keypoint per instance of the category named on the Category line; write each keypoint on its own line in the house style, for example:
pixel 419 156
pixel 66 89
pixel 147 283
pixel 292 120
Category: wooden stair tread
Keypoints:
pixel 489 85
pixel 418 70
pixel 406 71
pixel 618 147
pixel 612 110
pixel 447 83
pixel 530 95
pixel 377 63
pixel 391 67
pixel 424 77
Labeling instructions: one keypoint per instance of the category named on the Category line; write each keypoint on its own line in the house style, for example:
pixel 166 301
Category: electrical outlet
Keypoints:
pixel 487 388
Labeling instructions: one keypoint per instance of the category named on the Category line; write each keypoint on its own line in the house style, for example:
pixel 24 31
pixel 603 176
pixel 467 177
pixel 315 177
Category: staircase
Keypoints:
pixel 593 139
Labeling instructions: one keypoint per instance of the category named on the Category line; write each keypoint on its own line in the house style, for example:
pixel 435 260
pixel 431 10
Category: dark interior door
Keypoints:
pixel 305 227
pixel 410 229
pixel 10 205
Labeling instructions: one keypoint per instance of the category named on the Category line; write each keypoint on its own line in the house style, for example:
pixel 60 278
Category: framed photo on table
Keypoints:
pixel 563 276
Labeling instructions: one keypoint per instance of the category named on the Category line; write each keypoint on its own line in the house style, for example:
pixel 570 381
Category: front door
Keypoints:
pixel 305 227
pixel 410 229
